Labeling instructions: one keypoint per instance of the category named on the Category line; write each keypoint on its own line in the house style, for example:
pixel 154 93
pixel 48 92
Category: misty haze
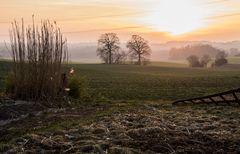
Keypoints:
pixel 120 77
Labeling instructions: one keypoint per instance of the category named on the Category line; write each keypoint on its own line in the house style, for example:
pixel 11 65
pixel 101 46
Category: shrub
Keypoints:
pixel 221 59
pixel 194 61
pixel 39 54
pixel 220 62
pixel 9 84
pixel 77 87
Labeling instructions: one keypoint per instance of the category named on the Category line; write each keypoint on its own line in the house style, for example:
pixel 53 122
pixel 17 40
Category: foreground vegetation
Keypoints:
pixel 38 55
pixel 124 127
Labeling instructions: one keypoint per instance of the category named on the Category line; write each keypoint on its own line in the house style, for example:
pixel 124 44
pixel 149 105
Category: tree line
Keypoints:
pixel 219 60
pixel 199 50
pixel 110 52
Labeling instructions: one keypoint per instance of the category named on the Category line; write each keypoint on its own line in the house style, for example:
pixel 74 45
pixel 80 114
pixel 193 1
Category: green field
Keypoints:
pixel 234 60
pixel 128 82
pixel 162 81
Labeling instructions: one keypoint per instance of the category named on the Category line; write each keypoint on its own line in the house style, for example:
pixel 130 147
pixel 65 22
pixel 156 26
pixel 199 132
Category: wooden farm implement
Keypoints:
pixel 228 97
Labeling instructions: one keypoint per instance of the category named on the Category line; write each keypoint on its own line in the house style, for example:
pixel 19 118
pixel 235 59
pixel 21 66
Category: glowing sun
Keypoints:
pixel 176 16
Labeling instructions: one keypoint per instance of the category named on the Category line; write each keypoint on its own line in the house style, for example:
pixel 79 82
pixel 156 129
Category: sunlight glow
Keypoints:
pixel 176 17
pixel 159 20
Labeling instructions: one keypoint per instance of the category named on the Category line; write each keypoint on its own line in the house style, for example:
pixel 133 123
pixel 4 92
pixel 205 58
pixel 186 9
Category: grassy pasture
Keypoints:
pixel 128 82
pixel 159 81
pixel 234 60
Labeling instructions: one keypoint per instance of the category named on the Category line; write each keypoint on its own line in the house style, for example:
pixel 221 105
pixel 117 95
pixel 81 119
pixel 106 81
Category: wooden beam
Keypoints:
pixel 213 100
pixel 236 98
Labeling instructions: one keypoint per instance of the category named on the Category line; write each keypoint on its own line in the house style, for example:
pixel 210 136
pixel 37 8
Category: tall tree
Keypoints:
pixel 138 48
pixel 108 47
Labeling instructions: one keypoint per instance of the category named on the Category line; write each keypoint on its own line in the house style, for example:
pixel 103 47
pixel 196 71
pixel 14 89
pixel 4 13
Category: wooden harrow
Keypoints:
pixel 228 97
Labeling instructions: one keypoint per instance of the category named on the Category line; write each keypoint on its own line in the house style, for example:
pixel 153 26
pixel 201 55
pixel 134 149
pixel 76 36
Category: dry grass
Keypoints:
pixel 38 55
pixel 126 127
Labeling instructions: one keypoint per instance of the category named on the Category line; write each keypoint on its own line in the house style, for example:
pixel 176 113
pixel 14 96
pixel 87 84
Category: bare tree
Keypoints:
pixel 108 47
pixel 138 48
pixel 120 57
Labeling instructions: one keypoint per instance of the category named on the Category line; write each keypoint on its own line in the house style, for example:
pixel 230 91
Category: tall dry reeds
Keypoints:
pixel 39 54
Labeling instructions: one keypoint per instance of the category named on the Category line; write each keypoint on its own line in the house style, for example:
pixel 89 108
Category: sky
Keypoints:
pixel 157 20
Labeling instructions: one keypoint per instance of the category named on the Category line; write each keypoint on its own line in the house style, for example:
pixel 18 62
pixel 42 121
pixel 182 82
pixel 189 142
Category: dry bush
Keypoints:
pixel 39 54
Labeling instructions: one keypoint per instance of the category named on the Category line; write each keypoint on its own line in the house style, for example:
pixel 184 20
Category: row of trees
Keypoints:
pixel 195 61
pixel 198 50
pixel 110 52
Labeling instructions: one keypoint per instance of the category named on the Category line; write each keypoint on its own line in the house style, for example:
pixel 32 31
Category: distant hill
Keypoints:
pixel 221 45
pixel 163 50
pixel 189 50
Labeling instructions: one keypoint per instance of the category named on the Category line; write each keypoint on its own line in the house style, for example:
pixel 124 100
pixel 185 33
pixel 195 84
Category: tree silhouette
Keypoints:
pixel 193 61
pixel 138 48
pixel 205 60
pixel 221 59
pixel 108 47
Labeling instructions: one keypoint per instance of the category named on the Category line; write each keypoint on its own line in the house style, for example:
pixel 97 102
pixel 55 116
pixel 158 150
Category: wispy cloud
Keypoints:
pixel 105 29
pixel 223 16
pixel 217 1
pixel 160 16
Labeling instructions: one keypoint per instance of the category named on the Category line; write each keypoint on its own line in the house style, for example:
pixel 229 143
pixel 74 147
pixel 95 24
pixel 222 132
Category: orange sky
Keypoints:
pixel 157 20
